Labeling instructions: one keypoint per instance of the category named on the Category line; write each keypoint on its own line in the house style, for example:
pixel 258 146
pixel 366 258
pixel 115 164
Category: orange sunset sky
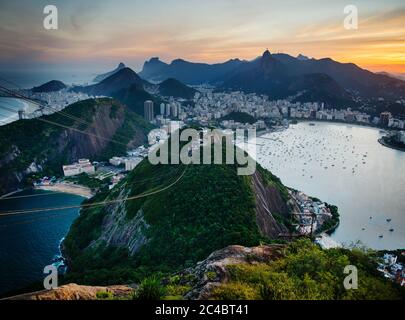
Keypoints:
pixel 97 34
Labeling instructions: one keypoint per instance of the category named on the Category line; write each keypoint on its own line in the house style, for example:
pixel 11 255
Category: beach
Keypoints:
pixel 68 188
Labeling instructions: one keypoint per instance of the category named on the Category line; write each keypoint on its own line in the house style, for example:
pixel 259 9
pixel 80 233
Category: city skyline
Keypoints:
pixel 97 36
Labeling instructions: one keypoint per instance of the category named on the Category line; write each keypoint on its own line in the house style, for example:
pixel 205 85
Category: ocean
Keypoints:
pixel 31 241
pixel 344 165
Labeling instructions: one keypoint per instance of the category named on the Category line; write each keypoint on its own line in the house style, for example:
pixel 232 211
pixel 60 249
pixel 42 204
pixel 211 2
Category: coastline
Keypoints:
pixel 60 260
pixel 360 124
pixel 57 259
pixel 68 188
pixel 385 144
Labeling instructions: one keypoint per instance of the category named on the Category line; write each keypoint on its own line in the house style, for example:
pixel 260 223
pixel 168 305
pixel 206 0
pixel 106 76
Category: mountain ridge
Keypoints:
pixel 275 69
pixel 173 88
pixel 103 76
pixel 121 79
pixel 39 146
pixel 50 86
pixel 185 71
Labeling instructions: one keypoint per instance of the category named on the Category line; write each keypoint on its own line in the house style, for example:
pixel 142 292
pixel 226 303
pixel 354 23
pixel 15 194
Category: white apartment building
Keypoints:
pixel 82 166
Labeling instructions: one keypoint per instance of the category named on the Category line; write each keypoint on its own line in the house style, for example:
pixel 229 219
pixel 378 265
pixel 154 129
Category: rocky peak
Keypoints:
pixel 302 57
pixel 266 54
pixel 216 266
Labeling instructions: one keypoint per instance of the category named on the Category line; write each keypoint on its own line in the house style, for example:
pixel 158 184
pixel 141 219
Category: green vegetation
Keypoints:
pixel 307 272
pixel 134 97
pixel 176 287
pixel 211 275
pixel 85 180
pixel 241 117
pixel 135 127
pixel 236 291
pixel 53 85
pixel 33 140
pixel 150 289
pixel 50 146
pixel 270 179
pixel 174 88
pixel 330 225
pixel 211 208
pixel 104 295
pixel 390 141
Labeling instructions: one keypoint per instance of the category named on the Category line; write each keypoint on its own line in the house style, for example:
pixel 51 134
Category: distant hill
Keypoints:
pixel 54 85
pixel 319 87
pixel 30 146
pixel 302 57
pixel 187 72
pixel 134 97
pixel 103 76
pixel 122 79
pixel 152 69
pixel 266 75
pixel 241 117
pixel 400 76
pixel 174 88
pixel 273 74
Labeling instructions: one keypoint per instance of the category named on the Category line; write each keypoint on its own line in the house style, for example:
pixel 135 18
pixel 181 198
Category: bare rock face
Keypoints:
pixel 211 272
pixel 73 291
pixel 118 231
pixel 102 125
pixel 268 201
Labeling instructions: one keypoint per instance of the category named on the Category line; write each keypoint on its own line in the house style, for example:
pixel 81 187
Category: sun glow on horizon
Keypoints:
pixel 104 33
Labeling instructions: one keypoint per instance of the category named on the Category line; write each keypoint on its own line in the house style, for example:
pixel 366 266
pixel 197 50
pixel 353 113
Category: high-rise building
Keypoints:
pixel 168 110
pixel 385 118
pixel 174 110
pixel 162 109
pixel 148 110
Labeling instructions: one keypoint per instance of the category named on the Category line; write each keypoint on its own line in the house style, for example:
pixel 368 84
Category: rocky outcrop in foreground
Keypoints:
pixel 210 273
pixel 201 279
pixel 73 291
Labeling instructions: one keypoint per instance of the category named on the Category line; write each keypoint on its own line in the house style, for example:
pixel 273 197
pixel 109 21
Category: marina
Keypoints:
pixel 343 165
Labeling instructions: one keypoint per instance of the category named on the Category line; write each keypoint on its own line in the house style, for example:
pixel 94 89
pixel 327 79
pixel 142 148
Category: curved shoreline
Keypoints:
pixel 68 188
pixel 55 253
pixel 385 144
pixel 360 124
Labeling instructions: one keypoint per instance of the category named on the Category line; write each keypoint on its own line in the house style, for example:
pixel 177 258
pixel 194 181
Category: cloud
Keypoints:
pixel 203 31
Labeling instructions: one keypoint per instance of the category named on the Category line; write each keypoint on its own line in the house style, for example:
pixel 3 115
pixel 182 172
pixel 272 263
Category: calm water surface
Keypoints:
pixel 346 166
pixel 29 242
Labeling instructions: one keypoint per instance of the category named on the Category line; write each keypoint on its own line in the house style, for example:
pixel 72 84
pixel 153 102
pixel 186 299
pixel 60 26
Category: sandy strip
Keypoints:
pixel 68 188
